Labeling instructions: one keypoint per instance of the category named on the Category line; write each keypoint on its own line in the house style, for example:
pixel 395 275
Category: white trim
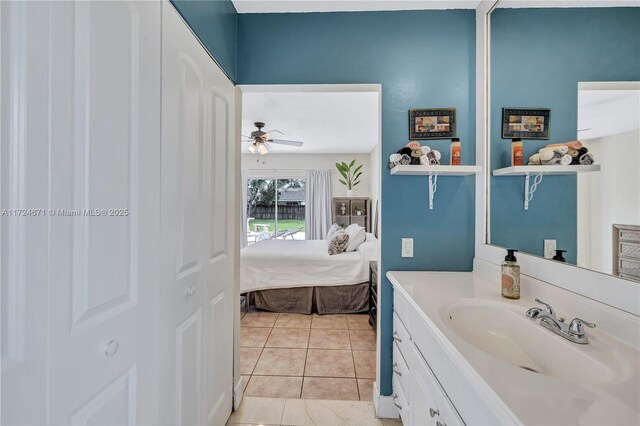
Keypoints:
pixel 238 393
pixel 384 406
pixel 613 291
pixel 608 85
pixel 309 88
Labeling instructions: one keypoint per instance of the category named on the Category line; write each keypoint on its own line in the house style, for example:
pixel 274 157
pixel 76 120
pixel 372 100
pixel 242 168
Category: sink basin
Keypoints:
pixel 502 330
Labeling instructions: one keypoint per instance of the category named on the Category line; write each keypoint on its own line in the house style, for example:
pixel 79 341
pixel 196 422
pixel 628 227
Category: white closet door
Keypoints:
pixel 85 285
pixel 196 230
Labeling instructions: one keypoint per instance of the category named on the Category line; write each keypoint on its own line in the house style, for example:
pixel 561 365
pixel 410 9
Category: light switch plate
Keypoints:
pixel 549 249
pixel 407 247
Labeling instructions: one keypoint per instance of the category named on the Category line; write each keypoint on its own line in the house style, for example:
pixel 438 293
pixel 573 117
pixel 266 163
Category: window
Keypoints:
pixel 275 209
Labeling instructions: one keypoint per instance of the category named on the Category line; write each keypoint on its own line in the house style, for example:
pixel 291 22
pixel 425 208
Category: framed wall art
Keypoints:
pixel 525 123
pixel 432 123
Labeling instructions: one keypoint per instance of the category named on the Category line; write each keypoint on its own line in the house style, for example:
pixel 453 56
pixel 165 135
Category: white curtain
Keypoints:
pixel 243 209
pixel 318 204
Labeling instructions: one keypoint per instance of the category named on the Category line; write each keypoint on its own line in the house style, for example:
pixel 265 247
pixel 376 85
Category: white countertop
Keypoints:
pixel 535 399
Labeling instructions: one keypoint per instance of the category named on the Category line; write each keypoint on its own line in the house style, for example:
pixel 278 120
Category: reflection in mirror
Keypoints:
pixel 608 216
pixel 539 56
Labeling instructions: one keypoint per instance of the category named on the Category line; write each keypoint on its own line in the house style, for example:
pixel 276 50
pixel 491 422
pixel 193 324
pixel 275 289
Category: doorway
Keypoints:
pixel 280 352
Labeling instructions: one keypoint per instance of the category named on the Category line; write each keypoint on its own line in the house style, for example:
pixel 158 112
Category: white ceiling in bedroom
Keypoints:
pixel 297 6
pixel 293 6
pixel 335 122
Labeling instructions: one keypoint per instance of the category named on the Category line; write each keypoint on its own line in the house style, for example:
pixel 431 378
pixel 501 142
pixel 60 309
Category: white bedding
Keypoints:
pixel 274 263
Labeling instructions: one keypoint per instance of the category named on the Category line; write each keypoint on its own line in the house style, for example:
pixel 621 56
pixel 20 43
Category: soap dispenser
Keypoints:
pixel 510 276
pixel 559 257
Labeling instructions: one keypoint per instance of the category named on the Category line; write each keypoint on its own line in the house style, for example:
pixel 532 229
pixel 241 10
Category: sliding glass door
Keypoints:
pixel 275 209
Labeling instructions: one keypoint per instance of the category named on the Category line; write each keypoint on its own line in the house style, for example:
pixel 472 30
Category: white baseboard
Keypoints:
pixel 238 393
pixel 385 408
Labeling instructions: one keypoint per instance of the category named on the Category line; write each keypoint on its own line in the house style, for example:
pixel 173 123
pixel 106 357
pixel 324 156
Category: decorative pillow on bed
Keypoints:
pixel 334 228
pixel 357 235
pixel 338 242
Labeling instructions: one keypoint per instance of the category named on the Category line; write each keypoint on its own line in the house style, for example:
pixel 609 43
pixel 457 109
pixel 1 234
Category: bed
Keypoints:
pixel 300 276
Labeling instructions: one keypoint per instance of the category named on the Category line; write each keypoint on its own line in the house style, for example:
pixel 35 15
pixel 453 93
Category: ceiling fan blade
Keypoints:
pixel 285 142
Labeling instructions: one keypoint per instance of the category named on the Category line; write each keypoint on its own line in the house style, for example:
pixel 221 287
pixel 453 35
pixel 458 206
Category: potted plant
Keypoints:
pixel 359 210
pixel 351 175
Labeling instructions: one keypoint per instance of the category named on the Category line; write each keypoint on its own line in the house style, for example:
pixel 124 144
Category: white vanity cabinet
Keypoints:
pixel 417 393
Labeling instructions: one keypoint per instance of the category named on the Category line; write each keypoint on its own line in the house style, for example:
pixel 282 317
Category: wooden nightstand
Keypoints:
pixel 373 294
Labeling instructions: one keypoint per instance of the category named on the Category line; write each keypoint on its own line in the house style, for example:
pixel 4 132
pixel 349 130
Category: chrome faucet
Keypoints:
pixel 574 331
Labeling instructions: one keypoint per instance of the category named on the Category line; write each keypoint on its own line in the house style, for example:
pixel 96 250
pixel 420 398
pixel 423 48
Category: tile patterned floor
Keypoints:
pixel 311 357
pixel 302 412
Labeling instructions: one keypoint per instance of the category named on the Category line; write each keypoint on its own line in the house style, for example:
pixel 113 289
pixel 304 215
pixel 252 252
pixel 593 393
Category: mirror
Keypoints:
pixel 559 75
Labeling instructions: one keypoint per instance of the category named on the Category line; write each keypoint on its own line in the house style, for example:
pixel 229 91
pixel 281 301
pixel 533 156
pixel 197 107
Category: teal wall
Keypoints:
pixel 538 56
pixel 216 24
pixel 421 59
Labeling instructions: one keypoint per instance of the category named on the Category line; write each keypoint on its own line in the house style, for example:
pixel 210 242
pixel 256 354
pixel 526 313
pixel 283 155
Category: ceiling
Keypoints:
pixel 296 6
pixel 327 122
pixel 607 112
pixel 293 6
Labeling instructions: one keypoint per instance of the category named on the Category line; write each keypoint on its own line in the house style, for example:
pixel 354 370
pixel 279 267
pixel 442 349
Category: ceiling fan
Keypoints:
pixel 259 140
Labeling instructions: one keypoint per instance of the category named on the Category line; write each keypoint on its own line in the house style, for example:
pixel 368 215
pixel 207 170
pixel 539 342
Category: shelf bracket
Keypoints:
pixel 529 189
pixel 433 187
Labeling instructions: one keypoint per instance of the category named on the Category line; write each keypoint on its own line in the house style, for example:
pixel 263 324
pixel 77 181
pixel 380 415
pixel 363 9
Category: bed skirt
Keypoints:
pixel 344 299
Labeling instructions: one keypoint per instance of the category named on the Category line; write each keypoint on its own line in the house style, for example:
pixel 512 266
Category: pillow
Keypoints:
pixel 334 228
pixel 338 242
pixel 357 235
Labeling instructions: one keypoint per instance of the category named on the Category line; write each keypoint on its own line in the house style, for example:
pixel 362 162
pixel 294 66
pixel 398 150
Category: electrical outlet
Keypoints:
pixel 549 249
pixel 407 247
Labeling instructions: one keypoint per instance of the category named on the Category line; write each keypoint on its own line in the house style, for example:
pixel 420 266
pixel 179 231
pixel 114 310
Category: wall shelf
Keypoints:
pixel 545 170
pixel 433 171
pixel 538 172
pixel 440 170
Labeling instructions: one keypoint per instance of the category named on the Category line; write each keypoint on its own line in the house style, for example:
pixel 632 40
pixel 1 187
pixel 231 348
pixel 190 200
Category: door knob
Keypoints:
pixel 111 348
pixel 191 291
pixel 433 412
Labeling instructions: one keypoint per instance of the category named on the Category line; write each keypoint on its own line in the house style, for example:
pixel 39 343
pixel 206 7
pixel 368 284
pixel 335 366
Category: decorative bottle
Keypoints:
pixel 517 153
pixel 455 152
pixel 510 276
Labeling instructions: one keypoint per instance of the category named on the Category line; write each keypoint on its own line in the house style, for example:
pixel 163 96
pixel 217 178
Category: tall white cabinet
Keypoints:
pixel 117 130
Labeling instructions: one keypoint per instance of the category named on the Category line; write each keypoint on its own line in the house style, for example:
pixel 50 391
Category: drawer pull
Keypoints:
pixel 396 338
pixel 433 412
pixel 395 396
pixel 438 423
pixel 395 364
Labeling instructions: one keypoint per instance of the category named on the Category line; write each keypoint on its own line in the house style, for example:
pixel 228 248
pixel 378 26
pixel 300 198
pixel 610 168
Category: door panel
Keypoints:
pixel 103 148
pixel 113 405
pixel 196 205
pixel 219 132
pixel 188 368
pixel 106 117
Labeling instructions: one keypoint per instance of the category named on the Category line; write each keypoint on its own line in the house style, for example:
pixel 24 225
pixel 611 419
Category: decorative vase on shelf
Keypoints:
pixel 350 193
pixel 343 209
pixel 359 212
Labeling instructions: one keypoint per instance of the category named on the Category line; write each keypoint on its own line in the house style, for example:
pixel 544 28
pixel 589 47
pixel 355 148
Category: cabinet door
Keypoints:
pixel 428 403
pixel 422 398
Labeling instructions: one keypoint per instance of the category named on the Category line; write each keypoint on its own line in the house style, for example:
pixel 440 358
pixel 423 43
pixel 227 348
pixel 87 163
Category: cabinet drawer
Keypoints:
pixel 629 234
pixel 401 307
pixel 400 335
pixel 630 249
pixel 400 369
pixel 400 400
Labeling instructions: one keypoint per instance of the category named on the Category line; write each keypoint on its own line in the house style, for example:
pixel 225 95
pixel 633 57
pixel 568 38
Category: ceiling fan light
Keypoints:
pixel 262 149
pixel 252 148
